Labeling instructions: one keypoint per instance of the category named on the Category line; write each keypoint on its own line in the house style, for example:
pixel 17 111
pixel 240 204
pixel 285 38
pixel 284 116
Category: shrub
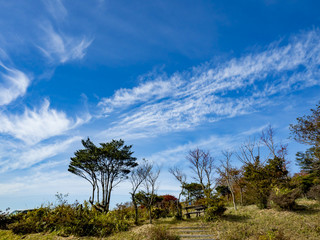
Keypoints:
pixel 178 216
pixel 159 213
pixel 4 220
pixel 69 220
pixel 215 210
pixel 165 206
pixel 124 211
pixel 314 192
pixel 283 198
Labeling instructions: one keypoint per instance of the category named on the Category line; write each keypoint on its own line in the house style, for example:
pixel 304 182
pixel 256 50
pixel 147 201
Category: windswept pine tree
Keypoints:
pixel 103 167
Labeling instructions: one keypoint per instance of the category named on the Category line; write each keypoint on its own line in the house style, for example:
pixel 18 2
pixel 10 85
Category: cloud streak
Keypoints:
pixel 59 47
pixel 14 84
pixel 56 9
pixel 28 157
pixel 211 92
pixel 149 91
pixel 216 144
pixel 49 182
pixel 36 125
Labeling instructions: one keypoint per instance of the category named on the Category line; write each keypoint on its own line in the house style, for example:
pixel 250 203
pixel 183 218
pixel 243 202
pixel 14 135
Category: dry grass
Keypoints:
pixel 251 223
pixel 8 235
pixel 144 232
pixel 247 223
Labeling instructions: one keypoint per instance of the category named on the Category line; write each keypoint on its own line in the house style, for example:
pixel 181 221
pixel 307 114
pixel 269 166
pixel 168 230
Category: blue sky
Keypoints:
pixel 165 76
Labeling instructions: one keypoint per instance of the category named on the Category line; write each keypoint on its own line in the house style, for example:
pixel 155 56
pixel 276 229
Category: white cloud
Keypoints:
pixel 14 84
pixel 214 143
pixel 61 48
pixel 43 183
pixel 149 91
pixel 56 9
pixel 213 92
pixel 28 157
pixel 35 125
pixel 167 116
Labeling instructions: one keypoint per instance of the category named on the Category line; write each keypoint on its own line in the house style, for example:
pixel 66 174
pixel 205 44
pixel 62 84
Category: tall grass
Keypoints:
pixel 249 222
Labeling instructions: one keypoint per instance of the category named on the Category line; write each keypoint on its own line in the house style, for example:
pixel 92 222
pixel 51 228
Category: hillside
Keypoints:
pixel 248 222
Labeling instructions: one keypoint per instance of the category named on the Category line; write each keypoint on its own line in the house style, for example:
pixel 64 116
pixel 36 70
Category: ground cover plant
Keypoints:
pixel 66 220
pixel 249 222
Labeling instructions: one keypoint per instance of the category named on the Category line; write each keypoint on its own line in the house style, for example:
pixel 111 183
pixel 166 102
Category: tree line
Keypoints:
pixel 262 179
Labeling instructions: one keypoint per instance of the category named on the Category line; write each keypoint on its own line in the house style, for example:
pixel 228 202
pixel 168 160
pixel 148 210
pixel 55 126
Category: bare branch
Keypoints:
pixel 178 174
pixel 227 174
pixel 249 151
pixel 202 164
pixel 267 138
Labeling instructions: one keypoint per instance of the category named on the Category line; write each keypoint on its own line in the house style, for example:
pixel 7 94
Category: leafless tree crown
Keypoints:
pixel 202 165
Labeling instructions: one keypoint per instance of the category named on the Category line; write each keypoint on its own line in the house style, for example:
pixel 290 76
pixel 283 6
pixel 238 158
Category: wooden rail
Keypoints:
pixel 198 210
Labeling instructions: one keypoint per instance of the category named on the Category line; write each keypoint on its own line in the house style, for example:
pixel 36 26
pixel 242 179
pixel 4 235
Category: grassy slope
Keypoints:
pixel 251 223
pixel 247 223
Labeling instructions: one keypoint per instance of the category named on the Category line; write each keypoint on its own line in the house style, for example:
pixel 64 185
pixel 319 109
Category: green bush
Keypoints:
pixel 159 213
pixel 215 210
pixel 283 198
pixel 69 220
pixel 178 216
pixel 4 220
pixel 314 192
pixel 124 211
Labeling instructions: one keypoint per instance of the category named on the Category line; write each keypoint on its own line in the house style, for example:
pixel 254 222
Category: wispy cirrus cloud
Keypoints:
pixel 36 125
pixel 14 84
pixel 213 92
pixel 44 180
pixel 57 46
pixel 215 143
pixel 56 9
pixel 26 157
pixel 148 91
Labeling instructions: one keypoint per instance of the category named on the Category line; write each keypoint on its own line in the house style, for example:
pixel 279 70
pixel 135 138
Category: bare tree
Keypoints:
pixel 181 177
pixel 249 155
pixel 202 164
pixel 276 150
pixel 226 172
pixel 238 178
pixel 249 152
pixel 267 138
pixel 136 178
pixel 147 197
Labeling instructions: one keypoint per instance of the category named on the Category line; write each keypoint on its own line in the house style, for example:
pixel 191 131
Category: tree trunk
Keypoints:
pixel 135 208
pixel 241 196
pixel 136 213
pixel 93 190
pixel 103 189
pixel 179 209
pixel 232 193
pixel 98 193
pixel 234 200
pixel 150 217
pixel 107 205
